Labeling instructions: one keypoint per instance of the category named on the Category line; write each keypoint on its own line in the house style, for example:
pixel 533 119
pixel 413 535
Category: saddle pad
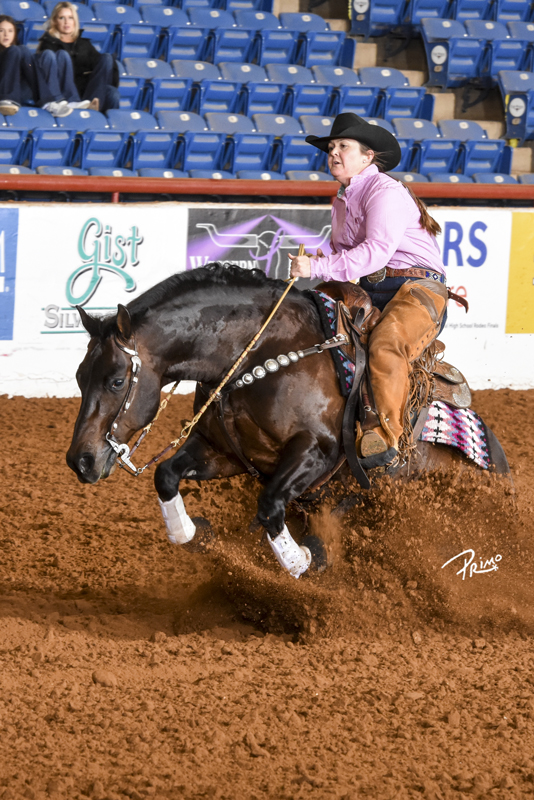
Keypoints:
pixel 458 427
pixel 327 314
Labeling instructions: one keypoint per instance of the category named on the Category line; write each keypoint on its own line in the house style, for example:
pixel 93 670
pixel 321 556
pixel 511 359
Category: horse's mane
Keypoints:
pixel 212 274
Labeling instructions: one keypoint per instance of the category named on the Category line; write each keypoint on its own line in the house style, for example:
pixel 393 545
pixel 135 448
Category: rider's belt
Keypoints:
pixel 411 272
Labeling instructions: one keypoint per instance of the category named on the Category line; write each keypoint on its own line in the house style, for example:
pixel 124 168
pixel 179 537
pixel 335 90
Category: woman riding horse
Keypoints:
pixel 383 236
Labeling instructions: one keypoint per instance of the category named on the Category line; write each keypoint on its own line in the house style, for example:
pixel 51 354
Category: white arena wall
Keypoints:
pixel 54 256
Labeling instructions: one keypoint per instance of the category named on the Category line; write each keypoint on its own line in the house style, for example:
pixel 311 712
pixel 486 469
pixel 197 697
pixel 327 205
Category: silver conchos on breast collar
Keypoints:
pixel 274 364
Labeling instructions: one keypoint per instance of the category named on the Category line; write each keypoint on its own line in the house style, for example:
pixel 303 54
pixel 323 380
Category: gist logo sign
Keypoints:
pixel 520 306
pixel 102 253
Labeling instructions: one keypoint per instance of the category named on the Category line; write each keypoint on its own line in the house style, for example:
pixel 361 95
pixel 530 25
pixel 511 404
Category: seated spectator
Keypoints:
pixel 87 78
pixel 22 81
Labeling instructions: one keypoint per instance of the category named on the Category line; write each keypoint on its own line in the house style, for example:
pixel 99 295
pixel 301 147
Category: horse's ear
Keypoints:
pixel 90 324
pixel 124 323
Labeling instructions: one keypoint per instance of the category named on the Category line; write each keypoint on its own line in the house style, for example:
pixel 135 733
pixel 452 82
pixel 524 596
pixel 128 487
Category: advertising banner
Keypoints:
pixel 56 256
pixel 67 255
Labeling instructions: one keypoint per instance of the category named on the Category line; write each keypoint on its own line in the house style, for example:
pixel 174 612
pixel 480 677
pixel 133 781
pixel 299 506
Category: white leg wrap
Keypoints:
pixel 180 527
pixel 289 555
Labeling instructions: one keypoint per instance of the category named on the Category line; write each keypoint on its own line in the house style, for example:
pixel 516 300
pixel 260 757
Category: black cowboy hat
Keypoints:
pixel 351 126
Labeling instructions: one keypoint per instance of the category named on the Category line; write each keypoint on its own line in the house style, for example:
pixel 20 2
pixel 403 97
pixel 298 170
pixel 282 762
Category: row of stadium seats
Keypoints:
pixel 148 84
pixel 202 34
pixel 475 51
pixel 25 9
pixel 379 17
pixel 220 141
pixel 295 175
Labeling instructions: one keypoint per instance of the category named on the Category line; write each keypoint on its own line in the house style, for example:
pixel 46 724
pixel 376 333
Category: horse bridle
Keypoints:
pixel 122 450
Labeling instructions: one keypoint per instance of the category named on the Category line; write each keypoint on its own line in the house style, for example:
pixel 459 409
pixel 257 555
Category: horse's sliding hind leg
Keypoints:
pixel 197 460
pixel 301 463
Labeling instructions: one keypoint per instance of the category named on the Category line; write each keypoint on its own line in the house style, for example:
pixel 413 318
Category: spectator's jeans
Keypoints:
pixel 21 77
pixel 57 67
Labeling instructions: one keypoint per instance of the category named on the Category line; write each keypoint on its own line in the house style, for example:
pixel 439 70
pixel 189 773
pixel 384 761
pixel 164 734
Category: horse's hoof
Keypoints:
pixel 204 538
pixel 318 552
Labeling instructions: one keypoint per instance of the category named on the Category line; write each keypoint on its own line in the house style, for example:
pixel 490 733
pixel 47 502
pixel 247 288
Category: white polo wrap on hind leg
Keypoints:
pixel 180 527
pixel 289 555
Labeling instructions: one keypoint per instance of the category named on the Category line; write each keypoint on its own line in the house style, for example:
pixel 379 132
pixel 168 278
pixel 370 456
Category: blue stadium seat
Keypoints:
pixel 396 98
pixel 131 120
pixel 61 171
pixel 307 175
pixel 274 47
pixel 453 58
pixel 32 30
pixel 181 40
pixel 100 34
pixel 424 9
pixel 12 145
pixel 112 172
pixel 11 169
pixel 51 147
pixel 409 177
pixel 317 44
pixel 249 5
pixel 477 152
pixel 524 31
pixel 131 91
pixel 202 150
pixel 83 120
pixel 431 153
pixel 303 95
pixel 151 172
pixel 472 9
pixel 218 174
pixel 154 149
pixel 225 42
pixel 180 121
pixel 361 100
pixel 375 17
pixel 290 149
pixel 256 20
pixel 162 90
pixel 208 92
pixel 259 175
pixel 164 16
pixel 115 14
pixel 22 10
pixel 513 10
pixel 500 51
pixel 464 130
pixel 335 76
pixel 30 118
pixel 315 125
pixel 383 123
pixel 102 149
pixel 447 177
pixel 187 4
pixel 527 178
pixel 210 18
pixel 492 177
pixel 383 77
pixel 245 148
pixel 517 90
pixel 258 95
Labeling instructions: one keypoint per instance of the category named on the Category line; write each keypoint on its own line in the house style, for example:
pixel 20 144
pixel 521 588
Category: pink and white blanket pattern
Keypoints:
pixel 458 427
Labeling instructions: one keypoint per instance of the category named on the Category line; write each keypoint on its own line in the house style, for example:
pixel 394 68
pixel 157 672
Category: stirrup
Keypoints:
pixel 383 459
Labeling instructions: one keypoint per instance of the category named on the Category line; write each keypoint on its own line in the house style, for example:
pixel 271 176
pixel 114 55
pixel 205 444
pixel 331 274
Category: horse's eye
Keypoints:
pixel 118 383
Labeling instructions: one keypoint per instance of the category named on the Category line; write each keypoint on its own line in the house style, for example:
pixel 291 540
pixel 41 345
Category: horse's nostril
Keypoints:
pixel 86 463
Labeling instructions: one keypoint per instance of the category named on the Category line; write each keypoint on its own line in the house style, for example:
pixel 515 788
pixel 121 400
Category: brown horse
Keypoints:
pixel 193 326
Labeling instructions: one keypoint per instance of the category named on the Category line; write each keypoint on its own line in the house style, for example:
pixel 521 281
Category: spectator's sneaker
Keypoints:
pixel 8 107
pixel 80 104
pixel 60 109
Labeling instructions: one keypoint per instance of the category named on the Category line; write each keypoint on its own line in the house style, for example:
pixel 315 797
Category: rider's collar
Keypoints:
pixel 356 180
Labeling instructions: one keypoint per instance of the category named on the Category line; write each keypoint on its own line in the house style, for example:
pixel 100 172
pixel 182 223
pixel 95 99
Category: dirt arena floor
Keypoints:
pixel 132 669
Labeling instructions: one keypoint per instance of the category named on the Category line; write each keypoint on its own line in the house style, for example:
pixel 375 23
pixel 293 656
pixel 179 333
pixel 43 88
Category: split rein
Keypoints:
pixel 124 453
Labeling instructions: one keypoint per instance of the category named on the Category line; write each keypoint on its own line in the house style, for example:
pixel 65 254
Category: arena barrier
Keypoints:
pixel 55 256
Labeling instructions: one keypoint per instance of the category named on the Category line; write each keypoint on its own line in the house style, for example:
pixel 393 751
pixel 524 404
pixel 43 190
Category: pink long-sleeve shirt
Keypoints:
pixel 375 223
